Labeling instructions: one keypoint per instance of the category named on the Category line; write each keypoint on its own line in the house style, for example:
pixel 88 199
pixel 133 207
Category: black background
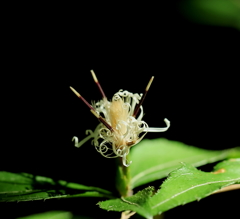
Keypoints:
pixel 47 48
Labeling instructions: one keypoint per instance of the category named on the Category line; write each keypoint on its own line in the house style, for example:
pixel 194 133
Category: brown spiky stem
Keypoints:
pixel 98 84
pixel 143 97
pixel 82 98
pixel 100 118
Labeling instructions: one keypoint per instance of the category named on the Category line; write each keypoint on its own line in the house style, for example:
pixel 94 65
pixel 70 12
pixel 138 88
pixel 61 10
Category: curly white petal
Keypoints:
pixel 152 129
pixel 79 144
pixel 90 134
pixel 141 114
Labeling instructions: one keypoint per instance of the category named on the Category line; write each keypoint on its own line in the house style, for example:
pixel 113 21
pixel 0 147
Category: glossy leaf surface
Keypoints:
pixel 155 159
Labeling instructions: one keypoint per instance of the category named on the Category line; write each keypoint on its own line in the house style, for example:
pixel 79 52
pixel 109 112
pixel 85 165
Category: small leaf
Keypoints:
pixel 27 187
pixel 155 159
pixel 188 184
pixel 137 203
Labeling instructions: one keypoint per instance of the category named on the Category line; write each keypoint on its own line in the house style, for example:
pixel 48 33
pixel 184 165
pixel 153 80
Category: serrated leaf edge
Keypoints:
pixel 232 181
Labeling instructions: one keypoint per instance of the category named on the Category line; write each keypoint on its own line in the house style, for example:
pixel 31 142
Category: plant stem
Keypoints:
pixel 123 178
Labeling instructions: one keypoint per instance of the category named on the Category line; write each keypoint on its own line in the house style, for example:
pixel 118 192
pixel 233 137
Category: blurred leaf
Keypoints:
pixel 50 215
pixel 184 185
pixel 155 159
pixel 54 215
pixel 27 187
pixel 214 12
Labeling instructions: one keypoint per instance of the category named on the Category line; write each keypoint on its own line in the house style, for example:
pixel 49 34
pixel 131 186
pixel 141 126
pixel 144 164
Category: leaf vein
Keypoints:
pixel 222 181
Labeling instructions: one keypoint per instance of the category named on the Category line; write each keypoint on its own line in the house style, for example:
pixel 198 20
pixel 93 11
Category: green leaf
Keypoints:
pixel 54 215
pixel 155 159
pixel 188 184
pixel 138 203
pixel 184 185
pixel 27 187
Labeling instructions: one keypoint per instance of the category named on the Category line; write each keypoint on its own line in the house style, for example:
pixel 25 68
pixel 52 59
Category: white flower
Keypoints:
pixel 119 129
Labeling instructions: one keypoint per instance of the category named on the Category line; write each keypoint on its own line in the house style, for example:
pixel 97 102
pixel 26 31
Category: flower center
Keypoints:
pixel 118 116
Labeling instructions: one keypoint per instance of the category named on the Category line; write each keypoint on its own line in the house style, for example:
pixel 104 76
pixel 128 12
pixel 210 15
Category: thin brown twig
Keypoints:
pixel 228 188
